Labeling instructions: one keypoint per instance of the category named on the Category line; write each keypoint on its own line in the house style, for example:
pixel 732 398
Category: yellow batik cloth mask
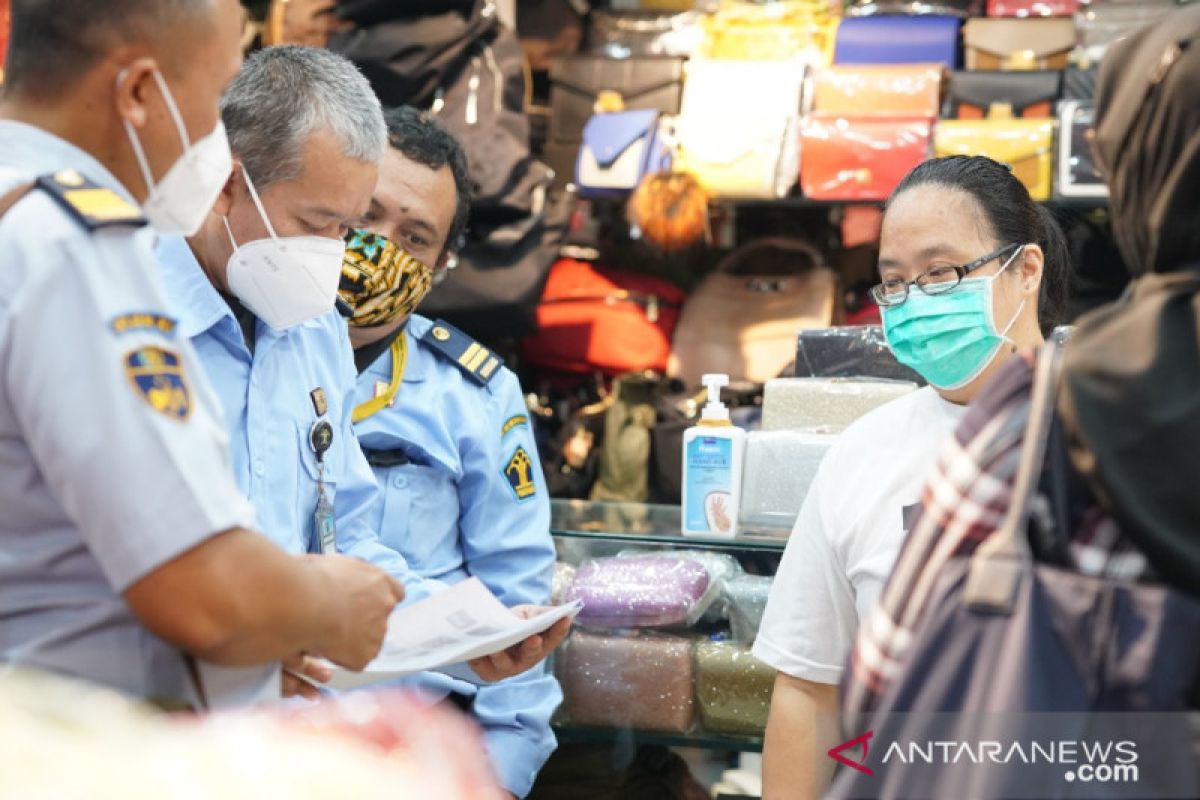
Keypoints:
pixel 380 281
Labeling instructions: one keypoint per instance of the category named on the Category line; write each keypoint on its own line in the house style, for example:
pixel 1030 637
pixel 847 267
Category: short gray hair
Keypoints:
pixel 283 95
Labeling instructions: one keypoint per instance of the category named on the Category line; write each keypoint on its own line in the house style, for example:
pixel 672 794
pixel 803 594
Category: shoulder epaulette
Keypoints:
pixel 93 205
pixel 478 362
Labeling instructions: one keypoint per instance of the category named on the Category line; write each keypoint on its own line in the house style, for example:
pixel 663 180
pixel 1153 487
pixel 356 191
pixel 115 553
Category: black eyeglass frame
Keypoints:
pixel 879 292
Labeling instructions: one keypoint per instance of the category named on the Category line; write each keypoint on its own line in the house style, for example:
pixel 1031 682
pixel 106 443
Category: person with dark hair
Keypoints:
pixel 971 270
pixel 1118 474
pixel 446 429
pixel 256 290
pixel 125 543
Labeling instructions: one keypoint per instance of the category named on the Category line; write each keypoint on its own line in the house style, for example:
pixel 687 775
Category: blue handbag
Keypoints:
pixel 926 39
pixel 619 149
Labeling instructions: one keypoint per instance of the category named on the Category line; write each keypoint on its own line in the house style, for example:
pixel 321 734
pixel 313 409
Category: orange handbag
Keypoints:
pixel 879 90
pixel 860 158
pixel 593 319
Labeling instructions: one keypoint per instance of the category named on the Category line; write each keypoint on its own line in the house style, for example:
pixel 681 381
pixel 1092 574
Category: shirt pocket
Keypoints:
pixel 310 474
pixel 420 516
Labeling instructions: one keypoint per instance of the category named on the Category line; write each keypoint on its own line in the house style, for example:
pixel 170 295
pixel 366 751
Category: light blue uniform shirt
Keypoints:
pixel 267 397
pixel 455 512
pixel 104 474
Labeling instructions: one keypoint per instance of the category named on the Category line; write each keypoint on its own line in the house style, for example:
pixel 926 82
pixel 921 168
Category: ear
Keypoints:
pixel 224 203
pixel 1032 265
pixel 133 88
pixel 444 260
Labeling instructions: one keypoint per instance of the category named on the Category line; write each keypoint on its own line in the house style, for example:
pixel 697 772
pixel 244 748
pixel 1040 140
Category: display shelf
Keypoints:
pixel 796 201
pixel 568 733
pixel 644 523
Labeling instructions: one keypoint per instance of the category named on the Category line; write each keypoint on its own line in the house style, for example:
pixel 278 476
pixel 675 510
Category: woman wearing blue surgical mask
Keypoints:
pixel 971 269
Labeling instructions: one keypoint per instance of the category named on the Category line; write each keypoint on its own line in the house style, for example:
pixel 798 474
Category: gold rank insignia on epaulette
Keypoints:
pixel 93 205
pixel 476 361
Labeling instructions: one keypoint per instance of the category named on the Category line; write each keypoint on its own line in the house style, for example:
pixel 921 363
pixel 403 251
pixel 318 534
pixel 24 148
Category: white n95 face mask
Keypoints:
pixel 284 280
pixel 179 202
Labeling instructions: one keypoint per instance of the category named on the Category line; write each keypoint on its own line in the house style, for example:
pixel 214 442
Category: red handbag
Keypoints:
pixel 594 319
pixel 1032 8
pixel 860 159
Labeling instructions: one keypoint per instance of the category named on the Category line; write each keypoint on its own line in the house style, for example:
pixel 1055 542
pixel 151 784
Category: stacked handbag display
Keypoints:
pixel 652 649
pixel 767 95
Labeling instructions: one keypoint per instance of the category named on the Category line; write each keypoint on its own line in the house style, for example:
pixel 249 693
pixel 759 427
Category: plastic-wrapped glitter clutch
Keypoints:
pixel 747 596
pixel 806 403
pixel 564 576
pixel 733 688
pixel 849 351
pixel 639 680
pixel 722 568
pixel 642 591
pixel 780 468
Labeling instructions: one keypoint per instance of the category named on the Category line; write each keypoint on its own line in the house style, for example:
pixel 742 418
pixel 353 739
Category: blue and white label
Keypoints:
pixel 709 485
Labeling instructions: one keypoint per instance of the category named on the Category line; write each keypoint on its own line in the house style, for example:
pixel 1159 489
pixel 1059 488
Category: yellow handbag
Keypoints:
pixel 773 32
pixel 1027 145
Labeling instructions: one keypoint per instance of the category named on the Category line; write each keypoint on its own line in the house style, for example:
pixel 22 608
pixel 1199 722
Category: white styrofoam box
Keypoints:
pixel 805 403
pixel 779 469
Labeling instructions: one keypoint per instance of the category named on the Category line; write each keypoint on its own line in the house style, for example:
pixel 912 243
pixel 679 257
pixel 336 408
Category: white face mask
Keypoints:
pixel 182 199
pixel 284 280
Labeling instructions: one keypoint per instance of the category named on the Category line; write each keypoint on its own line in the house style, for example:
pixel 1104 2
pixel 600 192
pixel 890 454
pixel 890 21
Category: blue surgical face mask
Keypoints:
pixel 950 338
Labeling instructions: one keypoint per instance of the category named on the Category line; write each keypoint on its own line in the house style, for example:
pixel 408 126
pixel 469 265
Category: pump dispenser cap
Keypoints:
pixel 715 412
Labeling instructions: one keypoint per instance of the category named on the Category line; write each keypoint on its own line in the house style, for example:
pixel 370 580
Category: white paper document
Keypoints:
pixel 458 624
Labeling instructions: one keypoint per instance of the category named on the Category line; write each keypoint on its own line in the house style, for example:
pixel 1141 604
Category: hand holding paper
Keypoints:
pixel 464 623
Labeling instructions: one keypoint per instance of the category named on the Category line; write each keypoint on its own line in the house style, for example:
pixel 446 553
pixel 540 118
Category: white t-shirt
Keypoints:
pixel 849 533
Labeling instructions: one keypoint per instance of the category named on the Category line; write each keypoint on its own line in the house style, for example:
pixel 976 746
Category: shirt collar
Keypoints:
pixel 193 297
pixel 40 151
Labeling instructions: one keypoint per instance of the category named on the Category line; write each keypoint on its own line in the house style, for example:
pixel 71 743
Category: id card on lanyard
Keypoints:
pixel 320 438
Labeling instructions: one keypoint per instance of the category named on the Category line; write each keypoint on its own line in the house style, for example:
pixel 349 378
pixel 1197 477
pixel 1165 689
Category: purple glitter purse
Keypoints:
pixel 642 591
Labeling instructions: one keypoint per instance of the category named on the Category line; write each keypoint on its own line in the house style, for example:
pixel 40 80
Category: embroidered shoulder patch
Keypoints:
pixel 519 473
pixel 143 321
pixel 156 375
pixel 513 423
pixel 91 204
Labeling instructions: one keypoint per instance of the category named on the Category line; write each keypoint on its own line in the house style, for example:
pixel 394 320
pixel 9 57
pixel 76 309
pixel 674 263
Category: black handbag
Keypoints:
pixel 649 33
pixel 1031 94
pixel 576 81
pixel 493 292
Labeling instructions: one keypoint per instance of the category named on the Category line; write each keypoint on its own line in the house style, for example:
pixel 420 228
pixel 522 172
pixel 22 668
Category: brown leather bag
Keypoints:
pixel 743 318
pixel 1018 44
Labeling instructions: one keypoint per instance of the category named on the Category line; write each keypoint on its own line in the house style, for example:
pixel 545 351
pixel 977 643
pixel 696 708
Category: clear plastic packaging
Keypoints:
pixel 564 576
pixel 722 568
pixel 780 468
pixel 747 601
pixel 647 591
pixel 879 90
pixel 733 688
pixel 831 403
pixel 639 680
pixel 850 351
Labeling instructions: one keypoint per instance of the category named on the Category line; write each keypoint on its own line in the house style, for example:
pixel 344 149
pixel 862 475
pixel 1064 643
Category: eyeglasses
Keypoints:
pixel 939 280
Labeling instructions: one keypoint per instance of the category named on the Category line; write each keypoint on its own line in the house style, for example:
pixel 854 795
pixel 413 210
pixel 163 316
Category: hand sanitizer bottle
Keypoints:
pixel 712 468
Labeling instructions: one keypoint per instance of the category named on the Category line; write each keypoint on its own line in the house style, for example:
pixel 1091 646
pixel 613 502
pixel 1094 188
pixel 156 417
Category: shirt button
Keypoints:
pixel 260 469
pixel 399 482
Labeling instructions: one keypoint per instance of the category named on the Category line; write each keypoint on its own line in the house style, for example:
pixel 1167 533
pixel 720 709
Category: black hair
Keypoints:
pixel 421 138
pixel 53 43
pixel 1013 216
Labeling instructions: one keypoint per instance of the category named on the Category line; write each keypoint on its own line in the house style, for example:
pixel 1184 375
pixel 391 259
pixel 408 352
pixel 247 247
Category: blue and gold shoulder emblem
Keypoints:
pixel 478 363
pixel 93 205
pixel 519 473
pixel 157 376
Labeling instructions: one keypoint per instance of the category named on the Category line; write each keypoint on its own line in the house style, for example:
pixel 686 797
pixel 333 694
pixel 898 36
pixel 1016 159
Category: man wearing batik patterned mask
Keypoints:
pixel 446 431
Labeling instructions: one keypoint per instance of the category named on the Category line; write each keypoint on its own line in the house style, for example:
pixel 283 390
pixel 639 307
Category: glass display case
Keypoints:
pixel 660 653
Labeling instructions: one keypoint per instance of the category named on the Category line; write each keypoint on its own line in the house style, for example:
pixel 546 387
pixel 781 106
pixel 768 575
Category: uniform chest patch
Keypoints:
pixel 143 321
pixel 513 423
pixel 157 376
pixel 519 473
